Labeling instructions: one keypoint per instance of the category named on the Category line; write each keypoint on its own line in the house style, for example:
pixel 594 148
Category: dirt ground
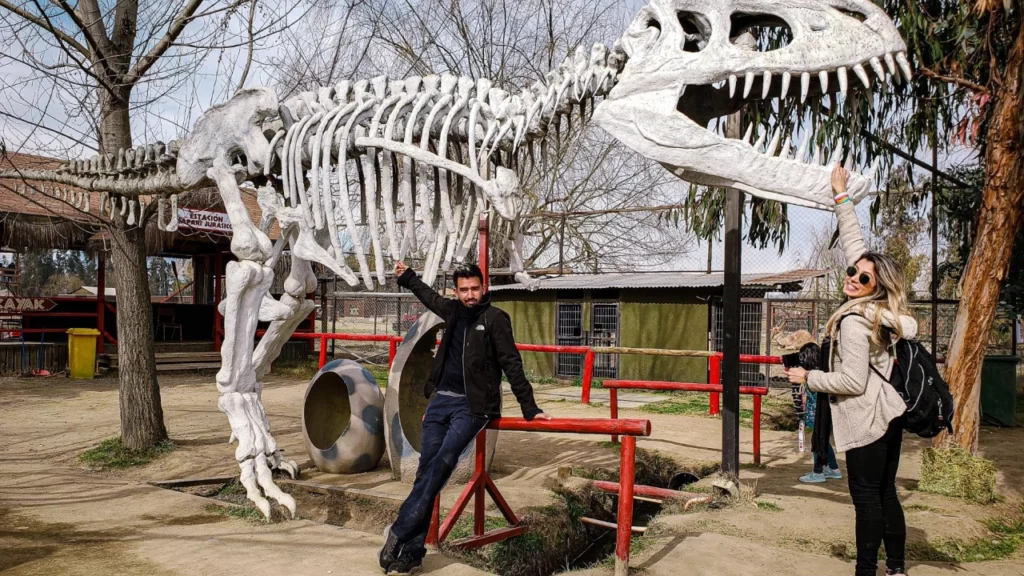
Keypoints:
pixel 59 517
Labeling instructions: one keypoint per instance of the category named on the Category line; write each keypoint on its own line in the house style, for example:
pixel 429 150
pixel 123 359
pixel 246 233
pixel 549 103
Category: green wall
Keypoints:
pixel 666 318
pixel 533 321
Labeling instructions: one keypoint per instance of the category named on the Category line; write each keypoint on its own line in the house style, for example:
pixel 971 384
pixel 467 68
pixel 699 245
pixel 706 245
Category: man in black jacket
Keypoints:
pixel 464 388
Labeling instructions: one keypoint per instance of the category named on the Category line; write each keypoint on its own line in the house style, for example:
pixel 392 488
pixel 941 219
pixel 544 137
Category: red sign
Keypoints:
pixel 17 304
pixel 204 220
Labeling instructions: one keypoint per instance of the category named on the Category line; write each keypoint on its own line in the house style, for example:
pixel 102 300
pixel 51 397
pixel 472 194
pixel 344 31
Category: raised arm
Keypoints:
pixel 850 236
pixel 434 302
pixel 511 363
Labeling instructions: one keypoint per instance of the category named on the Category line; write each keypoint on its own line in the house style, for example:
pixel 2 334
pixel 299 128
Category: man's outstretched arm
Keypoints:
pixel 434 302
pixel 512 365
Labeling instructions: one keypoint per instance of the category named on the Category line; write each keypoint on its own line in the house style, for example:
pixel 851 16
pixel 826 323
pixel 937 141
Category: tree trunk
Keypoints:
pixel 1002 212
pixel 142 416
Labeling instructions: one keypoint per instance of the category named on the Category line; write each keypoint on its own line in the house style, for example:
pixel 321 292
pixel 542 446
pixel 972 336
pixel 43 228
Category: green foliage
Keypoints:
pixel 112 454
pixel 54 272
pixel 769 506
pixel 1006 537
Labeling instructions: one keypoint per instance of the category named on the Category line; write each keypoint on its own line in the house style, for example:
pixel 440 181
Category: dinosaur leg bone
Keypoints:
pixel 247 282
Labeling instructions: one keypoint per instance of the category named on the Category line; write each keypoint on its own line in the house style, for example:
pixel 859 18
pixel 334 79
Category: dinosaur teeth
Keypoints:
pixel 786 78
pixel 773 146
pixel 784 153
pixel 746 137
pixel 805 85
pixel 823 78
pixel 876 65
pixel 841 74
pixel 766 84
pixel 760 141
pixel 904 64
pixel 732 85
pixel 802 151
pixel 858 69
pixel 890 63
pixel 748 83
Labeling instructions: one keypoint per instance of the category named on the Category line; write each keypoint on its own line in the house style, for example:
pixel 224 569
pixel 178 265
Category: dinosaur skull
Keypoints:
pixel 692 61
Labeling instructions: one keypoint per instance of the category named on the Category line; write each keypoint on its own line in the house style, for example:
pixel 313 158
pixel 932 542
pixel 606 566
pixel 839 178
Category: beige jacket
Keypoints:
pixel 862 402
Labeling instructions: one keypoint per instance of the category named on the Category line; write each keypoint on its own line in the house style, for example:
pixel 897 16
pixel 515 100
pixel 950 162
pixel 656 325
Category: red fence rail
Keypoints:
pixel 756 391
pixel 481 482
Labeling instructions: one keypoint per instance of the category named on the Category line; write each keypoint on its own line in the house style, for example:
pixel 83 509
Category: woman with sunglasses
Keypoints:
pixel 867 413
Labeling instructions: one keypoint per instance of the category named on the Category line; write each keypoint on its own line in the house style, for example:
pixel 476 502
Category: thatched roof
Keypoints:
pixel 30 217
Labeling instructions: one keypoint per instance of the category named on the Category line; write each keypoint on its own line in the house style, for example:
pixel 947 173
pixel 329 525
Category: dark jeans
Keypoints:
pixel 872 474
pixel 819 466
pixel 449 426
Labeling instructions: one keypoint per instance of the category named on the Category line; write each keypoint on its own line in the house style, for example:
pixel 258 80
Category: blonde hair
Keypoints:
pixel 889 295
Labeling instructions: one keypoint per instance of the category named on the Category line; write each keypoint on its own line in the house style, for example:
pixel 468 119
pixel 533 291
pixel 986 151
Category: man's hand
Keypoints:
pixel 400 268
pixel 542 416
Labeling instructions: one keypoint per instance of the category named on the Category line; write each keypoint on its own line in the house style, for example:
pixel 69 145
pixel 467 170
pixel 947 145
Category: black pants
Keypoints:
pixel 448 428
pixel 872 473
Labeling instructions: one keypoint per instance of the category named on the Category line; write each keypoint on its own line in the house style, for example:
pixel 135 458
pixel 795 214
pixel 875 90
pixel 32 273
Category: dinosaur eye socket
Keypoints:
pixel 858 16
pixel 770 32
pixel 697 31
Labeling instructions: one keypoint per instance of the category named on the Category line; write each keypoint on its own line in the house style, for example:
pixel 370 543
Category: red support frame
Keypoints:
pixel 101 299
pixel 481 482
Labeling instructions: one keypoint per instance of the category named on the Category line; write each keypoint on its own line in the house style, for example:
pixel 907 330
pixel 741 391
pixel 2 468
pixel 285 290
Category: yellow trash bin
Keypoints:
pixel 82 352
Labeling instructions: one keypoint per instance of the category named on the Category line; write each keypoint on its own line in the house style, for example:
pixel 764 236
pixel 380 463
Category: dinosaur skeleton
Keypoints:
pixel 430 155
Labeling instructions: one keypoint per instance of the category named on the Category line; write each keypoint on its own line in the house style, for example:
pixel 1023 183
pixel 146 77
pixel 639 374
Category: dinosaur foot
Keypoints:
pixel 256 451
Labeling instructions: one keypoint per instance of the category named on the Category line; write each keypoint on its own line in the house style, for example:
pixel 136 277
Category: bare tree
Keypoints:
pixel 95 76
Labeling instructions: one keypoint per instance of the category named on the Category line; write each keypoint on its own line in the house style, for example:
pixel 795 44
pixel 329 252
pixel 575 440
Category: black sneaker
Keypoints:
pixel 406 566
pixel 391 550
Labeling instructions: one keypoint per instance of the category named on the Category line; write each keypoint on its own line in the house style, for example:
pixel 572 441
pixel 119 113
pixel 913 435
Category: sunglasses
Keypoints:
pixel 864 278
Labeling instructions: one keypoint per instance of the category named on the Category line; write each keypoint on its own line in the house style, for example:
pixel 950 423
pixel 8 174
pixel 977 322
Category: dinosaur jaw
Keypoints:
pixel 682 127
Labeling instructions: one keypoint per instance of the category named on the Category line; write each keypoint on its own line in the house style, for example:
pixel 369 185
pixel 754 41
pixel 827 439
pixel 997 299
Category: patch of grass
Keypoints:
pixel 464 527
pixel 247 513
pixel 957 473
pixel 594 383
pixel 379 373
pixel 753 466
pixel 693 405
pixel 770 506
pixel 113 454
pixel 231 489
pixel 1007 536
pixel 917 508
pixel 297 369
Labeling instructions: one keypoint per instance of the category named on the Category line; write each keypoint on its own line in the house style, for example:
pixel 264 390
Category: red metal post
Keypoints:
pixel 323 350
pixel 101 298
pixel 218 264
pixel 481 471
pixel 715 377
pixel 588 374
pixel 392 350
pixel 485 254
pixel 613 401
pixel 757 429
pixel 642 490
pixel 435 523
pixel 625 516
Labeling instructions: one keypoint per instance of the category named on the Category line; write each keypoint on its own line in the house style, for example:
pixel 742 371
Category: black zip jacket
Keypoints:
pixel 489 348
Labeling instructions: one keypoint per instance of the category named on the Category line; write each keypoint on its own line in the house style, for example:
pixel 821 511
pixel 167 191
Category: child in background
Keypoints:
pixel 810 356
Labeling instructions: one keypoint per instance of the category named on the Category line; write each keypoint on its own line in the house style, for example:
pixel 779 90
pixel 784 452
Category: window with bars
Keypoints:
pixel 569 332
pixel 604 331
pixel 750 339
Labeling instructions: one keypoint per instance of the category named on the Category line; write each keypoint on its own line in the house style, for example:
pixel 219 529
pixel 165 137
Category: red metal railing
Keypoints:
pixel 481 482
pixel 756 391
pixel 323 337
pixel 715 374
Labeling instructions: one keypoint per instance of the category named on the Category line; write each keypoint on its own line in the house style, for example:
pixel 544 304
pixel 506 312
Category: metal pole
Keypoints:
pixel 484 257
pixel 101 299
pixel 731 335
pixel 935 247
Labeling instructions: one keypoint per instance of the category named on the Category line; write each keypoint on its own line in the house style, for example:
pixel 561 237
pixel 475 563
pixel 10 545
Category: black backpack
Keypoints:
pixel 916 378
